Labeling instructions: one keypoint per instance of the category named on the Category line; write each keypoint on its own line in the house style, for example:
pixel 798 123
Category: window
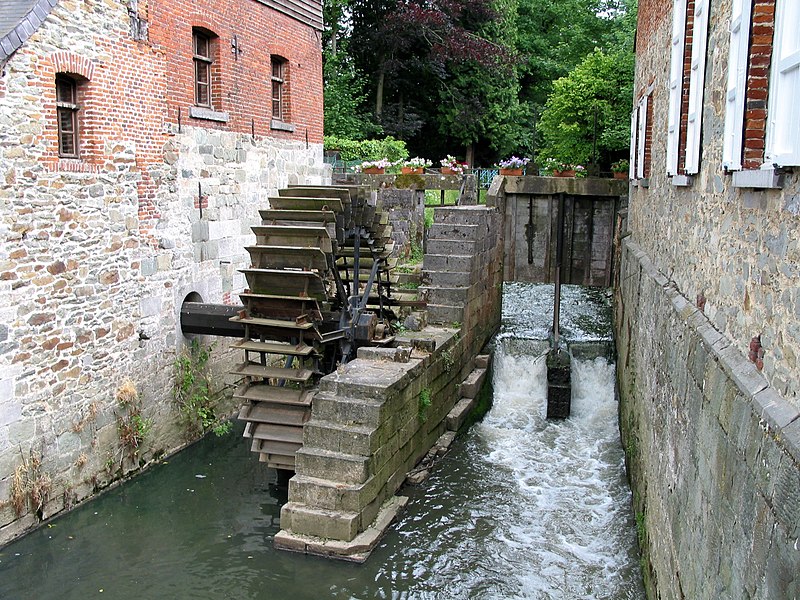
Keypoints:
pixel 202 69
pixel 641 135
pixel 67 115
pixel 697 76
pixel 783 117
pixel 686 85
pixel 278 91
pixel 675 84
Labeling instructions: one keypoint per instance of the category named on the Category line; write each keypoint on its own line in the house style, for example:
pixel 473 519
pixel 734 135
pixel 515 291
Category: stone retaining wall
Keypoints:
pixel 377 416
pixel 713 451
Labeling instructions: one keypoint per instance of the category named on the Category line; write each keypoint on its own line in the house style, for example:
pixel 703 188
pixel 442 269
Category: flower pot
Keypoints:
pixel 412 170
pixel 447 171
pixel 620 175
pixel 513 172
pixel 373 170
pixel 568 173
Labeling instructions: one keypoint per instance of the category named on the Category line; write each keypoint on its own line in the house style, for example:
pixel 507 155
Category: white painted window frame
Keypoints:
pixel 697 75
pixel 678 42
pixel 633 153
pixel 738 58
pixel 641 136
pixel 783 117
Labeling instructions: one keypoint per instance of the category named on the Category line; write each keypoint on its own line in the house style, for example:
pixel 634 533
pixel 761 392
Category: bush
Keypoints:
pixel 350 150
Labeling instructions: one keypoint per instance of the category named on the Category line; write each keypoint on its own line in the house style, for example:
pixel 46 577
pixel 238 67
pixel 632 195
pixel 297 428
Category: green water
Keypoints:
pixel 521 507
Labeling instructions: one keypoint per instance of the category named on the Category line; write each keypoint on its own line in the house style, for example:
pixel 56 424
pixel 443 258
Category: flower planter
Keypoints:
pixel 447 171
pixel 513 172
pixel 620 175
pixel 568 173
pixel 412 170
pixel 373 171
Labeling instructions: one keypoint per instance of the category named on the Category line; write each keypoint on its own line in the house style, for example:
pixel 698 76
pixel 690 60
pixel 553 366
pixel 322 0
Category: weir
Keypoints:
pixel 364 406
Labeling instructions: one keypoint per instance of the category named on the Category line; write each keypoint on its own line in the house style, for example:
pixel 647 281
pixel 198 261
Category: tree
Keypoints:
pixel 587 117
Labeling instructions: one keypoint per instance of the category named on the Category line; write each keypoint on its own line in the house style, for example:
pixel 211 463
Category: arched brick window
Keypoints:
pixel 203 61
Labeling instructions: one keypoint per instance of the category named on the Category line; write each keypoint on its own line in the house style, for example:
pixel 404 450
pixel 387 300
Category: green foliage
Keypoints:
pixel 198 404
pixel 424 403
pixel 350 149
pixel 591 106
pixel 344 96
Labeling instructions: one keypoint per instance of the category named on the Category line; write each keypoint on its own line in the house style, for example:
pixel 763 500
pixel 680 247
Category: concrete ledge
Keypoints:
pixel 356 550
pixel 588 186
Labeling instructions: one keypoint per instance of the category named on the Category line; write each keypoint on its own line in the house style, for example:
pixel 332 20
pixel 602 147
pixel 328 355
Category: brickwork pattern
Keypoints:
pixel 98 254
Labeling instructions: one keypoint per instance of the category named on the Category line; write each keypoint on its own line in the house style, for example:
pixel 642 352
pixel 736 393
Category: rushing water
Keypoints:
pixel 520 508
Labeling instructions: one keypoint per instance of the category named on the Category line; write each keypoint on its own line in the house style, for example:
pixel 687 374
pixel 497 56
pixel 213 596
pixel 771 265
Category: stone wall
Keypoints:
pixel 377 416
pixel 98 253
pixel 733 250
pixel 713 451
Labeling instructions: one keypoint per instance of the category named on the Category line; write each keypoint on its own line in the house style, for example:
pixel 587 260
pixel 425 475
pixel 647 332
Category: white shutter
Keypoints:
pixel 675 84
pixel 641 137
pixel 696 85
pixel 632 161
pixel 783 115
pixel 737 80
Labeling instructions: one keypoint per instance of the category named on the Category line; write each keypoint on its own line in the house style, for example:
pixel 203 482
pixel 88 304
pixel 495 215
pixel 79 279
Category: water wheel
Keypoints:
pixel 318 288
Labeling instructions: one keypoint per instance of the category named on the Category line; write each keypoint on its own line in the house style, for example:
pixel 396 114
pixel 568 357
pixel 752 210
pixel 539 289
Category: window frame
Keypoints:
pixel 735 95
pixel 70 108
pixel 205 62
pixel 782 146
pixel 277 84
pixel 678 44
pixel 697 76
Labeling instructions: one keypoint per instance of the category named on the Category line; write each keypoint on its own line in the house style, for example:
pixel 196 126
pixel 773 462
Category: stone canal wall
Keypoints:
pixel 713 450
pixel 377 416
pixel 98 252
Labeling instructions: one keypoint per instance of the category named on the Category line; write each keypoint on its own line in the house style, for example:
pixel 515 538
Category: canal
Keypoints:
pixel 519 508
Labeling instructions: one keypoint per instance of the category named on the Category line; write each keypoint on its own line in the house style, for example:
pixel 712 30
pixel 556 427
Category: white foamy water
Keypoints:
pixel 566 518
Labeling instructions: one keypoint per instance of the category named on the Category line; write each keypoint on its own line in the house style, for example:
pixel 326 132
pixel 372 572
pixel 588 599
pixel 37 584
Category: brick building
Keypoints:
pixel 138 138
pixel 708 311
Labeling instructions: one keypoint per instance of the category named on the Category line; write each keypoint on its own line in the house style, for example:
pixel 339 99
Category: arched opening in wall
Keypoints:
pixel 188 307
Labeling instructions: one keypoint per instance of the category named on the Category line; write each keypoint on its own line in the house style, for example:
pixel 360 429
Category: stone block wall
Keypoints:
pixel 732 249
pixel 463 269
pixel 406 210
pixel 97 254
pixel 713 451
pixel 377 416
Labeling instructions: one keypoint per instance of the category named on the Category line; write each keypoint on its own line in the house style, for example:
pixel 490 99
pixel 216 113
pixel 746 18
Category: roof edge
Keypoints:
pixel 27 26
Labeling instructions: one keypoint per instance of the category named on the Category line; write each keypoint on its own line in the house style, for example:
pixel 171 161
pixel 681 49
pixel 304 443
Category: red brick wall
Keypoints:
pixel 687 69
pixel 244 82
pixel 755 116
pixel 650 16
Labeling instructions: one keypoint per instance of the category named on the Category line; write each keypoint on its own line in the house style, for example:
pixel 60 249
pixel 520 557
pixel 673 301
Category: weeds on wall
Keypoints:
pixel 132 427
pixel 30 486
pixel 199 405
pixel 424 403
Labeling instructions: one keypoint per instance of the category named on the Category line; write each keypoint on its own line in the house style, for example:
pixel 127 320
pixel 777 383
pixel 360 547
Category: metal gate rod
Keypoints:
pixel 559 259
